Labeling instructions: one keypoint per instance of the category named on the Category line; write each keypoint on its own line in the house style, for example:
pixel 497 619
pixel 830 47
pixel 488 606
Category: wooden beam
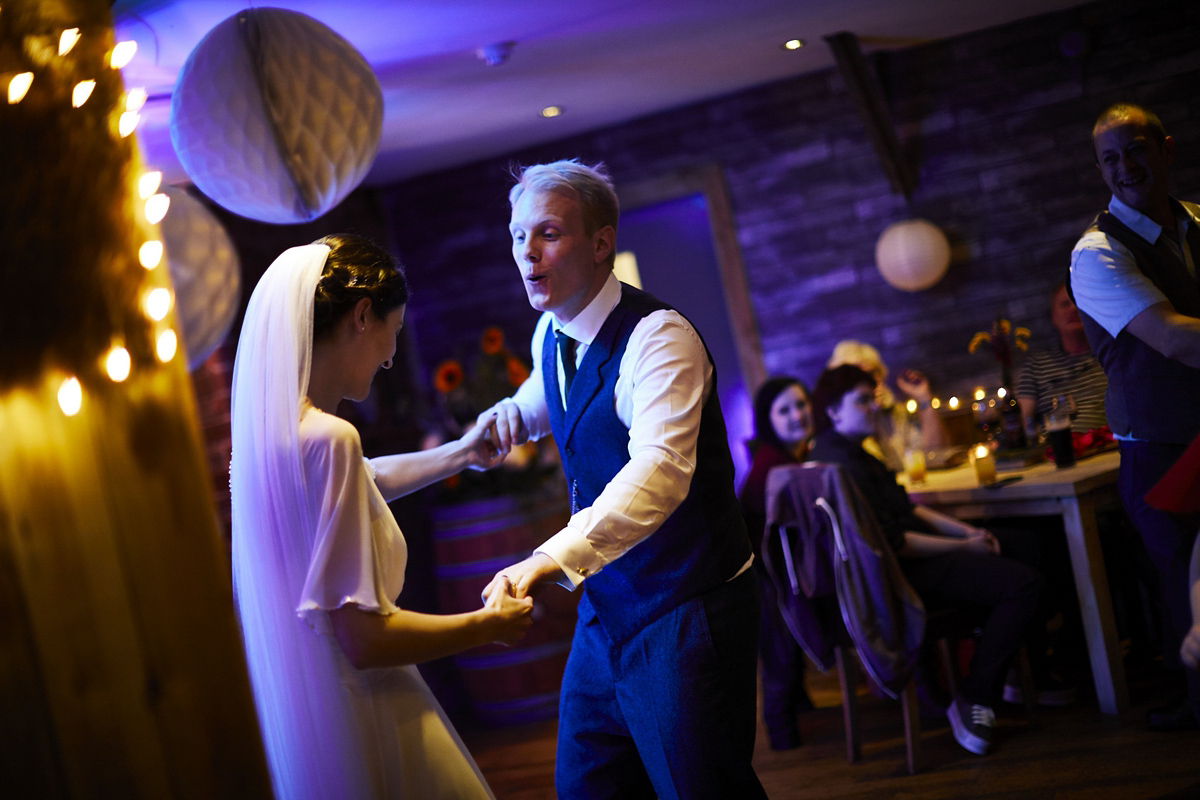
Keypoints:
pixel 868 97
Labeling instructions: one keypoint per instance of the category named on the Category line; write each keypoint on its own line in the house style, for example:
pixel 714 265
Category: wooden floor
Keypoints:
pixel 1074 753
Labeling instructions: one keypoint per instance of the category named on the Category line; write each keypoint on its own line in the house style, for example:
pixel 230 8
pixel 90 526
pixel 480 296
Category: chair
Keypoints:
pixel 822 538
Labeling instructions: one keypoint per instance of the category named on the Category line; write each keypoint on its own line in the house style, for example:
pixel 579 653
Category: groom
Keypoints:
pixel 658 699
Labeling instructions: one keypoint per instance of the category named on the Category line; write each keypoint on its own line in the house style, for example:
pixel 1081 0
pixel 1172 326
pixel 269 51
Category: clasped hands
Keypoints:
pixel 492 437
pixel 509 590
pixel 983 540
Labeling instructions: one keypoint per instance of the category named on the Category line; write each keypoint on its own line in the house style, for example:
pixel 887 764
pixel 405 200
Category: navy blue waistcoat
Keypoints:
pixel 1150 396
pixel 698 547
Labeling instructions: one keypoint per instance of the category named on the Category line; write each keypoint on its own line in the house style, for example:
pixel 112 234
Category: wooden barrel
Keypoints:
pixel 473 540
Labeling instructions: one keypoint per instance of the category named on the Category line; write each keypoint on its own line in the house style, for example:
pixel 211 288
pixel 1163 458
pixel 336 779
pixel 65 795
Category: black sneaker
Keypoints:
pixel 972 725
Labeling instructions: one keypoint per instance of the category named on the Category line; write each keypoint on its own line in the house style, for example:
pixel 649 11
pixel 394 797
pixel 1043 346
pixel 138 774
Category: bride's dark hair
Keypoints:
pixel 356 268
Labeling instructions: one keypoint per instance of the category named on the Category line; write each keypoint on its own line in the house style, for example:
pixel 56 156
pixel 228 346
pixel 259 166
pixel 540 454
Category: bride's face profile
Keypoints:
pixel 373 349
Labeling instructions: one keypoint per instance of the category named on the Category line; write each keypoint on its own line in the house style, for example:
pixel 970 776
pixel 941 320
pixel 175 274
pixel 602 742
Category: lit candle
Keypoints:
pixel 985 465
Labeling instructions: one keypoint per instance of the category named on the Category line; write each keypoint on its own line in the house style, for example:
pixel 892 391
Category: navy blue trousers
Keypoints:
pixel 1168 539
pixel 670 713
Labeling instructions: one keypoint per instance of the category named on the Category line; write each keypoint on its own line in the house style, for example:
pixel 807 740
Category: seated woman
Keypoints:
pixel 948 562
pixel 782 428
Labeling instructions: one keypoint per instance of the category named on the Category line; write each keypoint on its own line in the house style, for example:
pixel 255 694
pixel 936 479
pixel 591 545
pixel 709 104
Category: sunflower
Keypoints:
pixel 492 340
pixel 517 371
pixel 448 376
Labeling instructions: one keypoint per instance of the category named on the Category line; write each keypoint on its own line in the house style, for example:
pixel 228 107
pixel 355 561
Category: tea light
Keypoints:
pixel 985 465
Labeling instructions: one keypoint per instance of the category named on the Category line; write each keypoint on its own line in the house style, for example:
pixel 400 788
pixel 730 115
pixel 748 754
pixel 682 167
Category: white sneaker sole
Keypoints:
pixel 964 736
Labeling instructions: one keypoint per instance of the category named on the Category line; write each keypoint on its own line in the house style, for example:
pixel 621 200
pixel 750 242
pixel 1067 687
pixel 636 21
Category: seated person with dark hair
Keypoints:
pixel 782 430
pixel 950 564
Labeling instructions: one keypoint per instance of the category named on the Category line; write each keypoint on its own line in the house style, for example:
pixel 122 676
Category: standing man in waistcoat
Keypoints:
pixel 658 699
pixel 1133 276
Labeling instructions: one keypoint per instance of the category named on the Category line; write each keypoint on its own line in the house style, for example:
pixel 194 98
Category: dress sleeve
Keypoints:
pixel 343 566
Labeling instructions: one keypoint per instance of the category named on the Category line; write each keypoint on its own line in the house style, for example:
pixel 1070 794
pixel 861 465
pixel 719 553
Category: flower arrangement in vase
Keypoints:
pixel 461 395
pixel 1002 340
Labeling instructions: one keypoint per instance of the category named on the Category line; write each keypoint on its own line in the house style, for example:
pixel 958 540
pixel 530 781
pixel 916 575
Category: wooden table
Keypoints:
pixel 1074 493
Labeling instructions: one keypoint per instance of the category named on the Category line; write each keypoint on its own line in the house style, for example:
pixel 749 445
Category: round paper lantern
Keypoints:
pixel 912 254
pixel 276 117
pixel 204 268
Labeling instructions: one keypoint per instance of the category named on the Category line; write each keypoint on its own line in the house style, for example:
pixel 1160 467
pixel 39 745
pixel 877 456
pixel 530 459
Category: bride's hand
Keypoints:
pixel 480 442
pixel 510 616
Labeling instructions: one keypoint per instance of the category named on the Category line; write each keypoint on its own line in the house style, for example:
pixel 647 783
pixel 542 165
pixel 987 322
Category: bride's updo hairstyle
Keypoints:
pixel 356 268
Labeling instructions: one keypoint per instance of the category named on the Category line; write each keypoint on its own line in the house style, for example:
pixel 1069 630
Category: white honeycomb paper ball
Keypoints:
pixel 205 270
pixel 275 116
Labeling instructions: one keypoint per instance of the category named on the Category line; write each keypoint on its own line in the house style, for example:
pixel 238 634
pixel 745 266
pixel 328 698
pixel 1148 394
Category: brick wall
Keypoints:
pixel 996 125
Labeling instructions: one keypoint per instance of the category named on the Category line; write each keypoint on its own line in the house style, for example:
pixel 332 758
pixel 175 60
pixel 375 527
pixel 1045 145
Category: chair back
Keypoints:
pixel 821 536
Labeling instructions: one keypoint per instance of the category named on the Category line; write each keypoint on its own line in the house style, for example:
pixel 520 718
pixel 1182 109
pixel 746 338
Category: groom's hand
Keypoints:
pixel 520 578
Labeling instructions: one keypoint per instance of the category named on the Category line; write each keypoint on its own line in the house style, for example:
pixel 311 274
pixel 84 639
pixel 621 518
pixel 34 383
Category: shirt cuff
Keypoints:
pixel 574 555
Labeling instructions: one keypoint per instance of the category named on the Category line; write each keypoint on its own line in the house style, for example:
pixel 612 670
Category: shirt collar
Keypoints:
pixel 1142 225
pixel 587 323
pixel 1137 222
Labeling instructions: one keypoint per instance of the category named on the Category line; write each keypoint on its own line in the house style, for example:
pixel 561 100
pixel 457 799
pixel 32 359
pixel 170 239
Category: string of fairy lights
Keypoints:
pixel 155 301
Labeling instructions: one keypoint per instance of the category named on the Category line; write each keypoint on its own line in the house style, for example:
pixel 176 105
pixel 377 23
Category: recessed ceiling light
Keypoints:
pixel 551 111
pixel 793 44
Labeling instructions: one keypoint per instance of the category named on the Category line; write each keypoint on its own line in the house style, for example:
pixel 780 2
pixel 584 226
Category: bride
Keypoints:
pixel 318 557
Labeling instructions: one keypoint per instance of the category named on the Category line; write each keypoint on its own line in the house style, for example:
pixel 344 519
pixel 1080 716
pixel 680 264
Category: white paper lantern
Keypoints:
pixel 275 116
pixel 205 270
pixel 912 254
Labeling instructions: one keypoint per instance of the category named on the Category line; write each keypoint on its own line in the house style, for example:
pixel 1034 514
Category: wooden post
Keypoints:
pixel 121 669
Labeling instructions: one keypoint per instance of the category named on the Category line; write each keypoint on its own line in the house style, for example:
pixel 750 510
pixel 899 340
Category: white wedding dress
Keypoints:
pixel 311 532
pixel 359 558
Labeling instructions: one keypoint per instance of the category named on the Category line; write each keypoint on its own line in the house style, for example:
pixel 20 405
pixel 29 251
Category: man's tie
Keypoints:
pixel 566 352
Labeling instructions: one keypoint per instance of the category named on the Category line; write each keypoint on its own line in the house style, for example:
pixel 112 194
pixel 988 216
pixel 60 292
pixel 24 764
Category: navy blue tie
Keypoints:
pixel 566 352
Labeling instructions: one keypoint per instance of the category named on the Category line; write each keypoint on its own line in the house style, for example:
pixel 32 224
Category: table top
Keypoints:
pixel 1040 481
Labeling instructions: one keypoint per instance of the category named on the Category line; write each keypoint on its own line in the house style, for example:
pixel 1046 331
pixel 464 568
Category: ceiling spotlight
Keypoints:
pixel 495 54
pixel 551 111
pixel 793 44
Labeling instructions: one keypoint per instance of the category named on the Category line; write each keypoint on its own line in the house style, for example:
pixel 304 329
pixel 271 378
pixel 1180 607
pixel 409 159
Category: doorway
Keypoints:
pixel 676 240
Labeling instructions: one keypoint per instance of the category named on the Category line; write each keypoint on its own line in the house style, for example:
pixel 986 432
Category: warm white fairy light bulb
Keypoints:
pixel 935 403
pixel 127 123
pixel 953 403
pixel 122 54
pixel 82 91
pixel 67 40
pixel 166 345
pixel 980 393
pixel 135 99
pixel 151 253
pixel 118 363
pixel 149 182
pixel 70 396
pixel 1001 392
pixel 18 87
pixel 156 208
pixel 911 406
pixel 156 303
